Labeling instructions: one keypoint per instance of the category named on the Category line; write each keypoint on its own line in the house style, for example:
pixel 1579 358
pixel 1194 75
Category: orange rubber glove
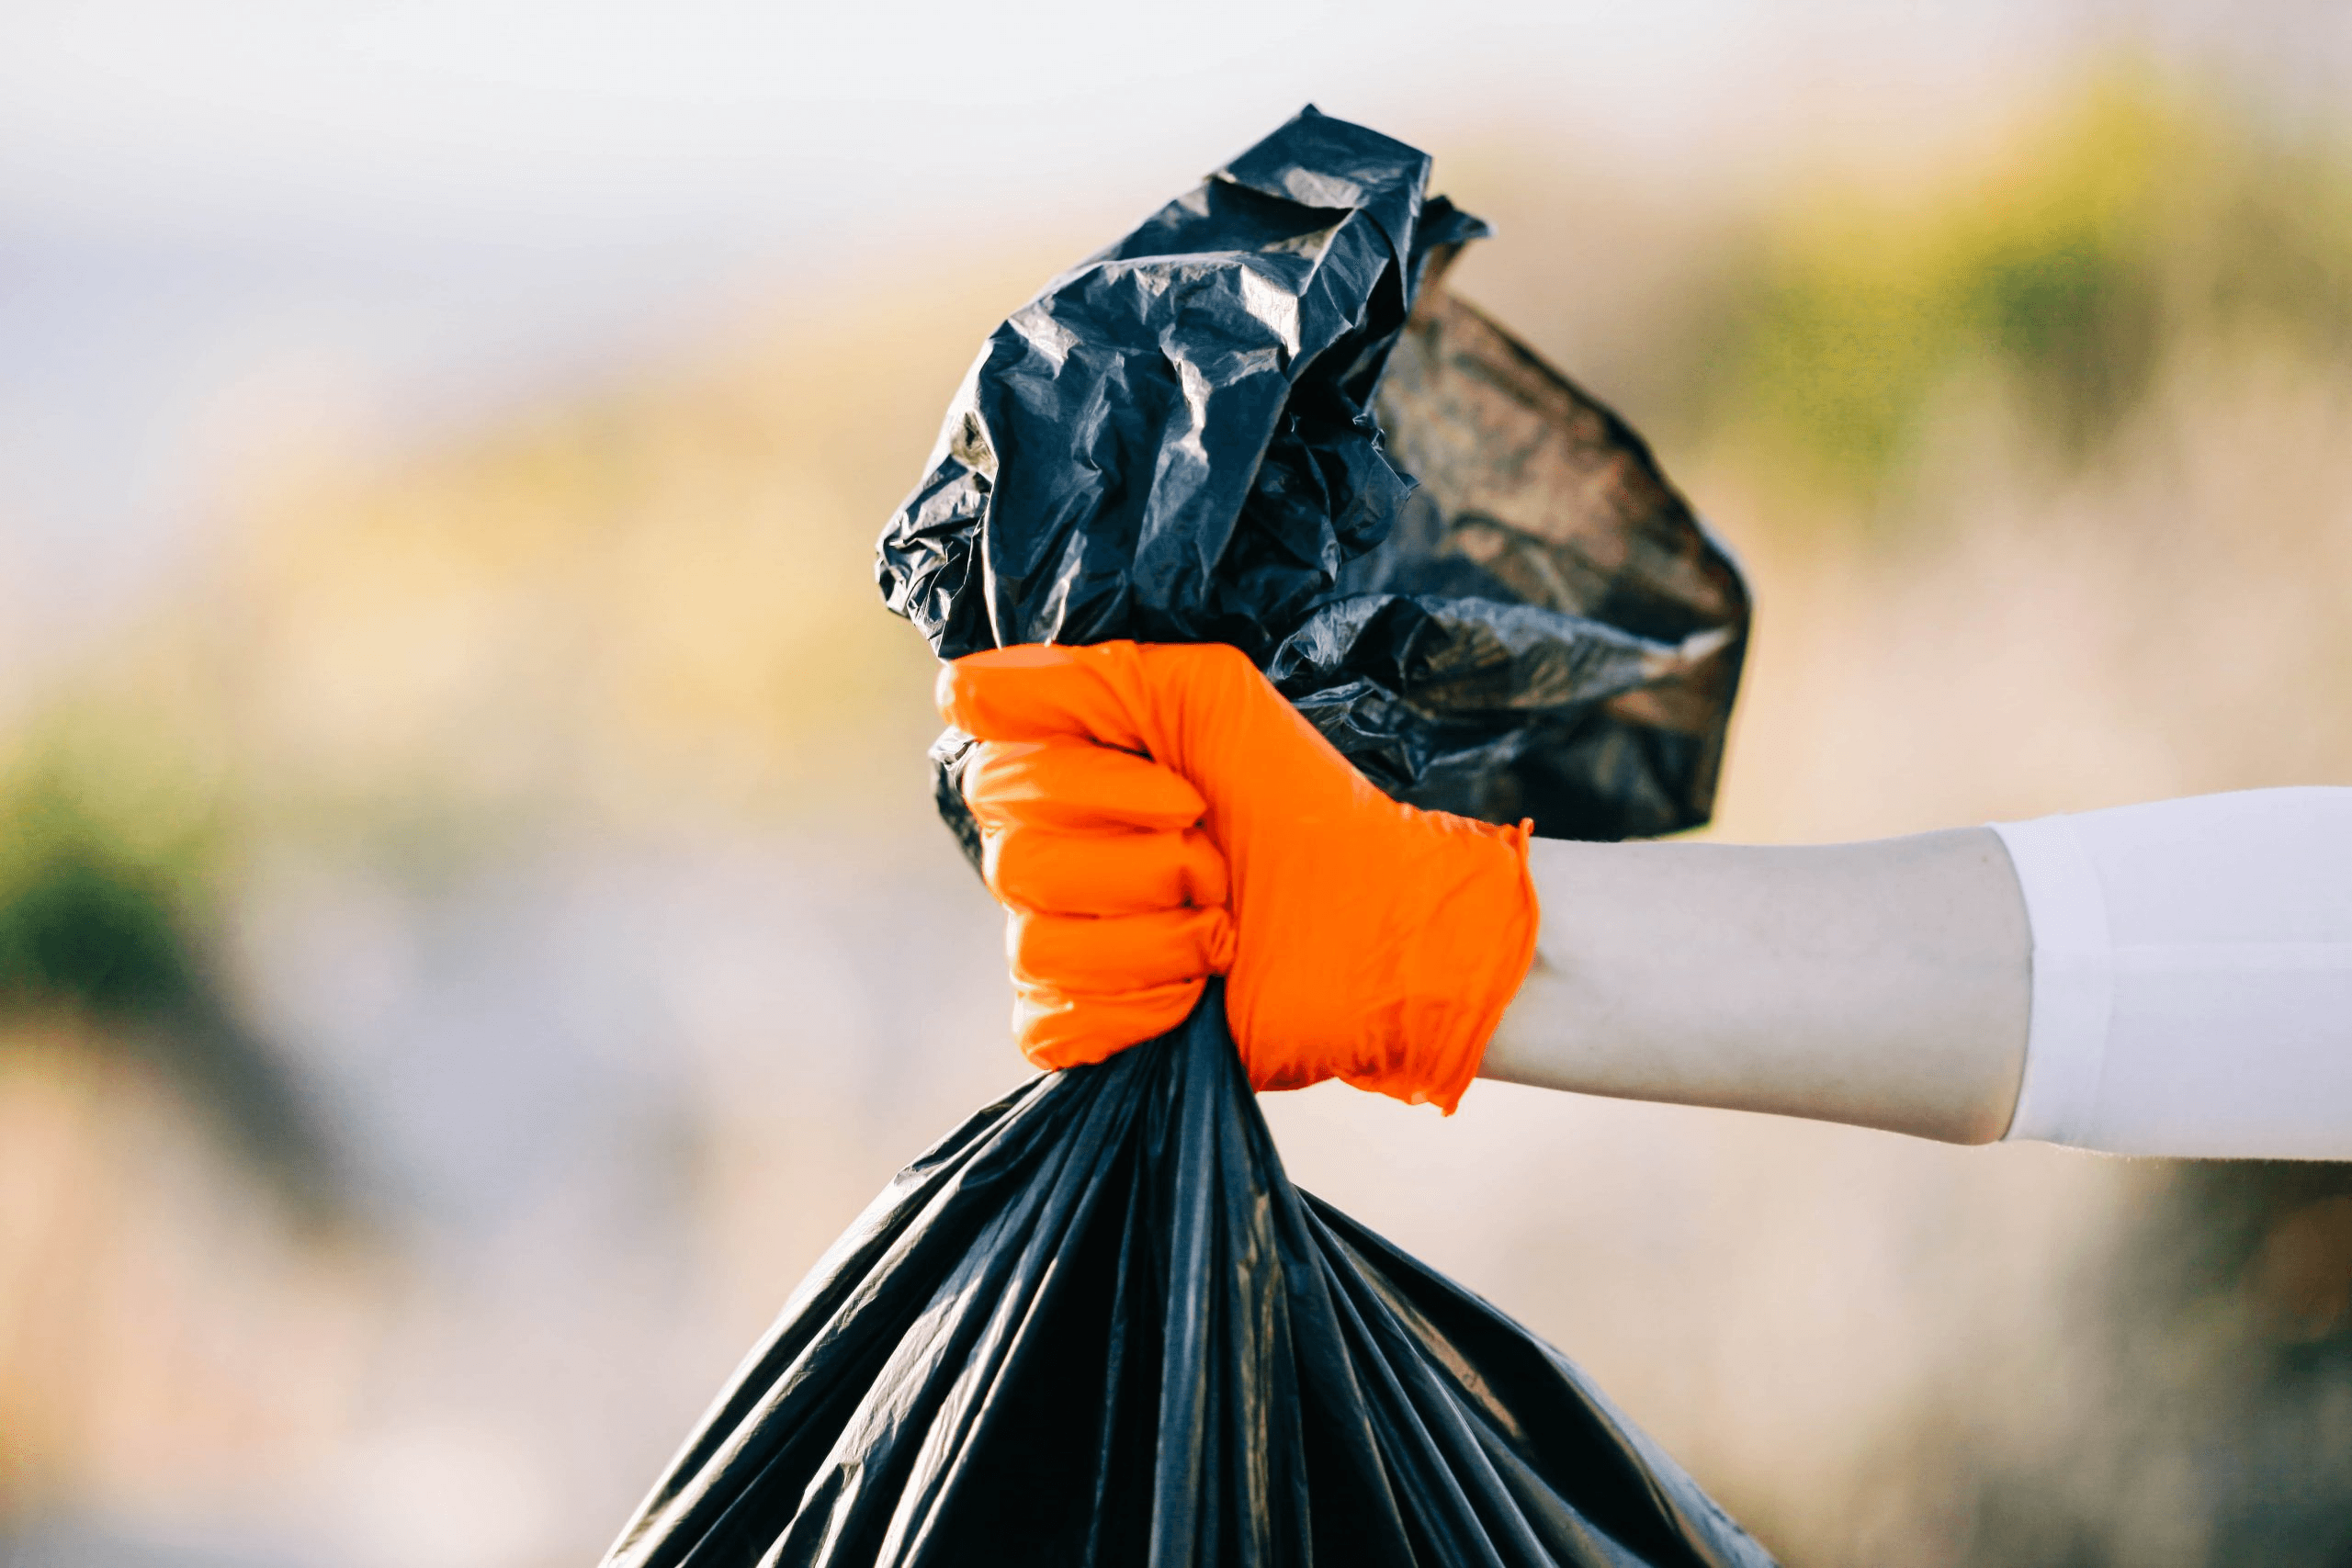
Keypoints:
pixel 1153 815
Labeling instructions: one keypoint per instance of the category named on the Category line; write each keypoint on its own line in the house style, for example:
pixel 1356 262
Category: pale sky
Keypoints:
pixel 588 119
pixel 429 207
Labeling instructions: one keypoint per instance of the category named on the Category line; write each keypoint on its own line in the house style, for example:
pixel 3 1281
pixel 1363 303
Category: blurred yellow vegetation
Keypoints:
pixel 1821 336
pixel 2096 236
pixel 655 602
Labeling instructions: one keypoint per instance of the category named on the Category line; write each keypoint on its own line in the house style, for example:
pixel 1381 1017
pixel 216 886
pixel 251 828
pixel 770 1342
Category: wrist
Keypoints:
pixel 1471 948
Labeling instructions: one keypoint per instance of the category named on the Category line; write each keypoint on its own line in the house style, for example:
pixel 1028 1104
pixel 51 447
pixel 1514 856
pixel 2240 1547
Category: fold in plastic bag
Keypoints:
pixel 1547 630
pixel 1213 431
pixel 1098 1325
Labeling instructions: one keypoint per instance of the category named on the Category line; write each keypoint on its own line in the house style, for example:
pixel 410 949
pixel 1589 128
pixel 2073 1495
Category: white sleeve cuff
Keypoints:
pixel 2074 982
pixel 2192 977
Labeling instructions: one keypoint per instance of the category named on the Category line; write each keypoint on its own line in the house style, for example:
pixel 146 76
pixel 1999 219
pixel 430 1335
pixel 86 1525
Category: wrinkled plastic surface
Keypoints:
pixel 1098 1325
pixel 1260 419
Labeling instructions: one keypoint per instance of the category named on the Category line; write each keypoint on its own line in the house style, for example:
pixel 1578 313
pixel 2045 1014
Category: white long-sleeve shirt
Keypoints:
pixel 2192 977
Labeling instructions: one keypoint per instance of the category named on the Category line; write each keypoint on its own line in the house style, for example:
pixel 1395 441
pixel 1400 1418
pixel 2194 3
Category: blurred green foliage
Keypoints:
pixel 2100 237
pixel 85 921
pixel 99 886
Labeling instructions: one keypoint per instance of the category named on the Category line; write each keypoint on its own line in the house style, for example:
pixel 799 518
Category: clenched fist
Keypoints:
pixel 1153 815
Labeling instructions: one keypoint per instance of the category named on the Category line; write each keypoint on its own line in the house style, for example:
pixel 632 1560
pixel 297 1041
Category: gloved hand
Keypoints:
pixel 1156 814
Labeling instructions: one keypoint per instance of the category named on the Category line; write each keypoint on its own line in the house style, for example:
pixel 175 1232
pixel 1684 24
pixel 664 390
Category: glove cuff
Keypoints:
pixel 1476 949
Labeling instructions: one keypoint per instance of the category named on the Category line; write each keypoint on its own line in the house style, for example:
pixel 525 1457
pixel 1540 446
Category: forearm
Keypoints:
pixel 2172 978
pixel 1884 984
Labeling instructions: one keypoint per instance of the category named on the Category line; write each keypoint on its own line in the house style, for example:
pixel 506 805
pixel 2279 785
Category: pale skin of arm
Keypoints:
pixel 1884 984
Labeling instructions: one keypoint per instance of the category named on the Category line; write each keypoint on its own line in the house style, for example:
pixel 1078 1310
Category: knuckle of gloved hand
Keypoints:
pixel 1029 951
pixel 1108 954
pixel 1075 786
pixel 1219 940
pixel 1001 854
pixel 1069 874
pixel 997 781
pixel 1100 786
pixel 1207 881
pixel 1102 874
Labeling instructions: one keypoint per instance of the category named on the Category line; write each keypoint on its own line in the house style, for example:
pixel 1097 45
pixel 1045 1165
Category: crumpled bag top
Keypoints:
pixel 1259 420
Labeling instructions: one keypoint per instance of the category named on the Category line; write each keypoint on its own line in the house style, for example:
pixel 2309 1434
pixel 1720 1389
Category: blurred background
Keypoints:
pixel 472 926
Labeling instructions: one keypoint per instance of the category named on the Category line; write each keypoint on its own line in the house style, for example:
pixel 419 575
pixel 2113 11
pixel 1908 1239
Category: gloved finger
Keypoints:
pixel 1065 1028
pixel 1075 786
pixel 1103 874
pixel 1041 692
pixel 1182 705
pixel 1106 955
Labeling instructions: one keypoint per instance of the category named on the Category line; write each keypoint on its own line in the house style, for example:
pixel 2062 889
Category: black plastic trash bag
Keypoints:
pixel 1213 431
pixel 1098 1325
